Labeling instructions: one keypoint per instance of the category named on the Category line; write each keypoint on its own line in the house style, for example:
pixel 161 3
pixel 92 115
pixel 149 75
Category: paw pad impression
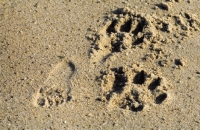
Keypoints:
pixel 133 88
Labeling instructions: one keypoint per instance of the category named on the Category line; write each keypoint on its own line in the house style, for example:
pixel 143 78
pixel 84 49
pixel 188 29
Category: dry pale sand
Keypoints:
pixel 99 64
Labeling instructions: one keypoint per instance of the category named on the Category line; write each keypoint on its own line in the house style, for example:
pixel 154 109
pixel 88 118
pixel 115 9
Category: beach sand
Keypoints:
pixel 99 64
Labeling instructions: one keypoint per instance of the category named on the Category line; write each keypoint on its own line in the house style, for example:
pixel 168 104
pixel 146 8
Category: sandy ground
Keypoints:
pixel 99 64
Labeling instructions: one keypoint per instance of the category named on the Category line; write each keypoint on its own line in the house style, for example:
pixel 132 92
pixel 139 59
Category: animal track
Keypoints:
pixel 56 90
pixel 132 88
pixel 125 30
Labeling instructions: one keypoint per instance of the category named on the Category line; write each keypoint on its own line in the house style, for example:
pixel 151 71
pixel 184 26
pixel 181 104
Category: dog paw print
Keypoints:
pixel 133 88
pixel 124 30
pixel 55 91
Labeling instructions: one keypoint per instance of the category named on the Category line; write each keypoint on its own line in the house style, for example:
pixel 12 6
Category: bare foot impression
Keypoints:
pixel 132 88
pixel 56 88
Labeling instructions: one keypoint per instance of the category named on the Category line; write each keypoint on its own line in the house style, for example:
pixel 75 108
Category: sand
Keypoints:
pixel 99 64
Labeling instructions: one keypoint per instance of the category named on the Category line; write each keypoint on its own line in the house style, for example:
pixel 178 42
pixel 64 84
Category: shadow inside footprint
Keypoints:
pixel 161 98
pixel 111 27
pixel 154 84
pixel 106 57
pixel 73 68
pixel 120 79
pixel 139 28
pixel 178 62
pixel 162 6
pixel 138 41
pixel 126 27
pixel 140 78
pixel 41 102
pixel 116 47
pixel 136 109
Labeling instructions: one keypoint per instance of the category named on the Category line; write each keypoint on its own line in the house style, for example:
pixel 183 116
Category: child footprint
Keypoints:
pixel 56 88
